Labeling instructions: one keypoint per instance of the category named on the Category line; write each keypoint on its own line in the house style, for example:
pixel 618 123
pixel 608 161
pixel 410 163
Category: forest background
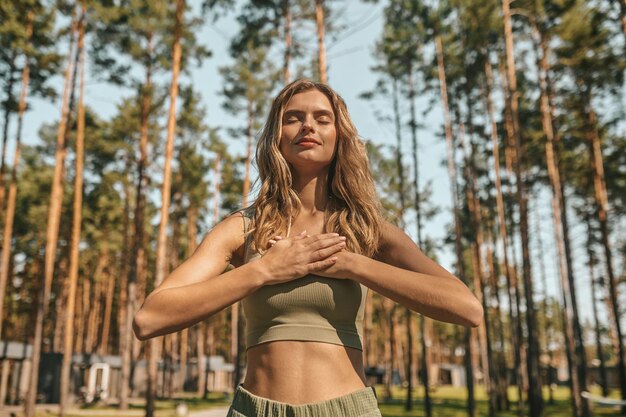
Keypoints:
pixel 496 134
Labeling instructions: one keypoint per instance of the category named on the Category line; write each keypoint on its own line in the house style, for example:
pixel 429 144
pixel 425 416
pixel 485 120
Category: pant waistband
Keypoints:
pixel 354 404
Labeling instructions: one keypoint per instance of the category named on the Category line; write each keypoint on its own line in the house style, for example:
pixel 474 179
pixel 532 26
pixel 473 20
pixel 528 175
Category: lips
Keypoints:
pixel 308 141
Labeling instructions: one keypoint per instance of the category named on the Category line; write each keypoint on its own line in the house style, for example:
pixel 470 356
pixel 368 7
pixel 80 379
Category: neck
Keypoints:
pixel 312 190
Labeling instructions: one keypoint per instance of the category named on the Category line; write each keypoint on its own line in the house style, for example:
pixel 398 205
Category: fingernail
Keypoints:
pixel 333 258
pixel 342 238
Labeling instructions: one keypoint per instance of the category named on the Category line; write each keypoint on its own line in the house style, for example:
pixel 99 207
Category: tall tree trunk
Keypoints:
pixel 216 188
pixel 321 48
pixel 602 207
pixel 66 365
pixel 592 276
pixel 548 329
pixel 469 377
pixel 11 203
pixel 287 16
pixel 93 303
pixel 578 366
pixel 204 328
pixel 59 307
pixel 474 207
pixel 109 279
pixel 510 276
pixel 79 317
pixel 192 231
pixel 389 311
pixel 422 319
pixel 5 131
pixel 500 376
pixel 400 215
pixel 52 230
pixel 161 257
pixel 10 215
pixel 532 360
pixel 514 292
pixel 124 262
pixel 418 213
pixel 200 349
pixel 137 271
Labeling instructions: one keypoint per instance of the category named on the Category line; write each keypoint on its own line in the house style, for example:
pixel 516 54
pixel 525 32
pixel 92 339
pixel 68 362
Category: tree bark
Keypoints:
pixel 596 321
pixel 474 206
pixel 5 131
pixel 418 213
pixel 573 330
pixel 137 271
pixel 66 365
pixel 10 214
pixel 532 360
pixel 602 206
pixel 161 256
pixel 321 48
pixel 469 377
pixel 11 203
pixel 288 42
pixel 504 240
pixel 108 308
pixel 52 230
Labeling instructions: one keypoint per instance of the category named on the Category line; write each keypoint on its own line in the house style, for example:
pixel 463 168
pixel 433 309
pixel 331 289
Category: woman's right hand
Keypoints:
pixel 297 256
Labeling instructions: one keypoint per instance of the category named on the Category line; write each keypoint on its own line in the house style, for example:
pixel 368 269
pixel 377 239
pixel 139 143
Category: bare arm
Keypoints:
pixel 199 287
pixel 404 274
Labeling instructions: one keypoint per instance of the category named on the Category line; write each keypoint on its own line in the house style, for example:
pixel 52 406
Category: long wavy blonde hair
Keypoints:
pixel 353 209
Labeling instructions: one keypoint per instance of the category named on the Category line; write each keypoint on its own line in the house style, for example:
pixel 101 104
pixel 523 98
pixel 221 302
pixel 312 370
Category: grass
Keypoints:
pixel 447 402
pixel 451 402
pixel 163 408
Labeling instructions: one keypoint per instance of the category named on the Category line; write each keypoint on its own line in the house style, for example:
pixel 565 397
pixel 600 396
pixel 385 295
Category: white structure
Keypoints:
pixel 98 385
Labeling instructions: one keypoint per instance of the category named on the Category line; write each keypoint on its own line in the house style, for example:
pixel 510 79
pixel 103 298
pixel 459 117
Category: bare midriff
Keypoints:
pixel 298 372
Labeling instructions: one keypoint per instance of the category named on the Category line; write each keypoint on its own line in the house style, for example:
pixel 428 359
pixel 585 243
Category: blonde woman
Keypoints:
pixel 305 254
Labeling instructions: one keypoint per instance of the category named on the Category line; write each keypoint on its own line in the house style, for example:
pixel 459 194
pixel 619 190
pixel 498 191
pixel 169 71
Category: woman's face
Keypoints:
pixel 309 136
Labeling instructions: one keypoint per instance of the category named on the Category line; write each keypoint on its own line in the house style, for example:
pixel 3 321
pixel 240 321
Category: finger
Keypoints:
pixel 323 264
pixel 325 242
pixel 326 252
pixel 321 236
pixel 302 235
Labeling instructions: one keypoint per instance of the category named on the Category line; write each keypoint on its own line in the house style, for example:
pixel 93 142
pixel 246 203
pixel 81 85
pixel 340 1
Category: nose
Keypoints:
pixel 307 124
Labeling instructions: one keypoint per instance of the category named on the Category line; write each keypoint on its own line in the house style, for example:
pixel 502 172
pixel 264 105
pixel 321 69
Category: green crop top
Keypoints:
pixel 311 308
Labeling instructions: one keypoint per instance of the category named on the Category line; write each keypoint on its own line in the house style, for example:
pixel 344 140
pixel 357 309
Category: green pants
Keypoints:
pixel 361 403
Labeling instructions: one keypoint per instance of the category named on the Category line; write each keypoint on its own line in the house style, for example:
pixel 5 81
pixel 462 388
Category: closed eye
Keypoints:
pixel 291 119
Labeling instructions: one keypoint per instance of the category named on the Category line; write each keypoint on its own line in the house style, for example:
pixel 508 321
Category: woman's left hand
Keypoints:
pixel 339 270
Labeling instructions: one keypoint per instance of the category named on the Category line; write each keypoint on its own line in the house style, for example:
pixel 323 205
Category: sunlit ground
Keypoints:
pixel 447 402
pixel 451 402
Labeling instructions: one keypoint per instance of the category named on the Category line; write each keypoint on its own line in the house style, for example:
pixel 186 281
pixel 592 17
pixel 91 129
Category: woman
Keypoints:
pixel 305 254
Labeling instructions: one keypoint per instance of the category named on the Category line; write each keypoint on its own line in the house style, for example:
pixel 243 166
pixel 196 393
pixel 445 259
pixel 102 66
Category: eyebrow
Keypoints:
pixel 321 112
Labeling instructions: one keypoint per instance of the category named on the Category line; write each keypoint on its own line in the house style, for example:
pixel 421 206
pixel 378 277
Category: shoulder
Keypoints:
pixel 226 237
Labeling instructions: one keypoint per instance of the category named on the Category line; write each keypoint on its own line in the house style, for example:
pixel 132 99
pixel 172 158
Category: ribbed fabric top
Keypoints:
pixel 311 308
pixel 359 403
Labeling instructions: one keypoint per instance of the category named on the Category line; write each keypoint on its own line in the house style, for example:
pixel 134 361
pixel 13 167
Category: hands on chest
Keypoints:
pixel 294 257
